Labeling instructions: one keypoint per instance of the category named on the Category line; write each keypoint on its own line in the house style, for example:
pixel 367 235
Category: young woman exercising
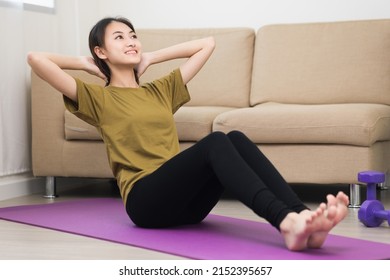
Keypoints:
pixel 161 186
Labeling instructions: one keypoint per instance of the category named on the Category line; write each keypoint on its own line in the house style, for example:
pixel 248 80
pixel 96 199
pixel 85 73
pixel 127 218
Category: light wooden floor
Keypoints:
pixel 25 242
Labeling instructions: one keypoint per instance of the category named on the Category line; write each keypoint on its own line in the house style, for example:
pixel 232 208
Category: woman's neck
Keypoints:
pixel 123 78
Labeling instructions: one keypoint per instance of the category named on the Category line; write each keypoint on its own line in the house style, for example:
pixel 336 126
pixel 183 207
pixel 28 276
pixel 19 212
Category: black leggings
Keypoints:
pixel 186 188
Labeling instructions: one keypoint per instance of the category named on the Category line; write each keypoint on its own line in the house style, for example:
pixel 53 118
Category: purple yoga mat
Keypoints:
pixel 217 238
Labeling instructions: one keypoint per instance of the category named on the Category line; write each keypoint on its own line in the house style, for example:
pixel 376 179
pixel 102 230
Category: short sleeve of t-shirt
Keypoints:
pixel 174 87
pixel 90 102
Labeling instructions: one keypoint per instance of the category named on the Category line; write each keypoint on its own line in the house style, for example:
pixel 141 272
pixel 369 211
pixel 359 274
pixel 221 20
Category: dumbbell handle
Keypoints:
pixel 383 214
pixel 371 191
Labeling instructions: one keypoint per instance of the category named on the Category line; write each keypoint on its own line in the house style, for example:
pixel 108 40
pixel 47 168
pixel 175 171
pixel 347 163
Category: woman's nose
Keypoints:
pixel 131 43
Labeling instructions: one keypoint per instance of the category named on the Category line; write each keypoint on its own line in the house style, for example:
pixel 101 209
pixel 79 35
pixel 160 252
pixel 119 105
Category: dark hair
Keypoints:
pixel 96 39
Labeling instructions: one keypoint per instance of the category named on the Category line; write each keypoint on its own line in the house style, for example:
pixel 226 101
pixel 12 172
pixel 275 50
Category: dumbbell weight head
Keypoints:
pixel 371 177
pixel 366 213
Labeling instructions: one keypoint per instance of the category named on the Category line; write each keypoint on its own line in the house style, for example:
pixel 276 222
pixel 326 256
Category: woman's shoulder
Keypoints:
pixel 89 86
pixel 171 77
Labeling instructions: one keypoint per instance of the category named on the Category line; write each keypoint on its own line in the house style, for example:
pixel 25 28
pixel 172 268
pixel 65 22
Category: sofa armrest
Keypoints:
pixel 47 117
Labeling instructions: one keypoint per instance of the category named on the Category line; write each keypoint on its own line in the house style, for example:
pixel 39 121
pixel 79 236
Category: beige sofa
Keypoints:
pixel 314 97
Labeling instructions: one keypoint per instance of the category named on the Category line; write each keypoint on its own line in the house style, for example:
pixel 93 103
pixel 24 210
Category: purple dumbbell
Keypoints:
pixel 372 213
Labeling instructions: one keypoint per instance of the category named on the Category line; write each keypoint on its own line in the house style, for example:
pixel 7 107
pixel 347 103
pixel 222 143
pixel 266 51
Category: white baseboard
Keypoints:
pixel 26 184
pixel 16 186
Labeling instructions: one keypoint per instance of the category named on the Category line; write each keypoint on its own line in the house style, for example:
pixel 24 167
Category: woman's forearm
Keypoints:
pixel 197 51
pixel 182 50
pixel 40 61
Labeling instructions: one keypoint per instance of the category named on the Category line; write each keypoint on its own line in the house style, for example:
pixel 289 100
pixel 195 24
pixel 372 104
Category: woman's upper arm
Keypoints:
pixel 53 74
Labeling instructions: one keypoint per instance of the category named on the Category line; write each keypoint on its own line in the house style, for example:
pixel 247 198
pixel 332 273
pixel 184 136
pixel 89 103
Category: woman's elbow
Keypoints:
pixel 32 58
pixel 211 42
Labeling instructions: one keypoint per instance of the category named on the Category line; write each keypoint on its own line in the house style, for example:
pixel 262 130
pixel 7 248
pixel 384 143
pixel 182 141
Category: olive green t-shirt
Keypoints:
pixel 136 124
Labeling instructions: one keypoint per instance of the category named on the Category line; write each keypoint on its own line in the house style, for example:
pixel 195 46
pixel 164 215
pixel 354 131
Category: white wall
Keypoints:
pixel 18 32
pixel 248 13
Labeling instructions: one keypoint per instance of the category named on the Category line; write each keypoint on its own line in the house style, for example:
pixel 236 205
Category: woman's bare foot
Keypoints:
pixel 339 204
pixel 297 228
pixel 309 229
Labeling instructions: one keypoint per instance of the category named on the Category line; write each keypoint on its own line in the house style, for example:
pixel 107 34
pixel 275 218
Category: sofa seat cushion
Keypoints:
pixel 193 123
pixel 349 124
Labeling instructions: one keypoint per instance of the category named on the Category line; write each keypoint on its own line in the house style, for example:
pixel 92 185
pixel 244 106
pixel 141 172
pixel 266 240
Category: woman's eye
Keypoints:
pixel 119 37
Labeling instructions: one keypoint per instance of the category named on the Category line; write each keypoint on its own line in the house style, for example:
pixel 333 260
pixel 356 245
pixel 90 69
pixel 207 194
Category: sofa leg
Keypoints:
pixel 382 187
pixel 354 196
pixel 50 191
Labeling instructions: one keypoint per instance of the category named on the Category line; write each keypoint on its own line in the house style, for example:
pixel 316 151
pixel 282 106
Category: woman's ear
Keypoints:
pixel 99 52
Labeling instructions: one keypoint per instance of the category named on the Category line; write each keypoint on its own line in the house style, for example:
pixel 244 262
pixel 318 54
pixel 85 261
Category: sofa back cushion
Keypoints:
pixel 322 63
pixel 226 77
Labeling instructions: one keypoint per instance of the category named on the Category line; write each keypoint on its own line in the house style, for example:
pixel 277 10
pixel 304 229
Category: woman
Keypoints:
pixel 160 186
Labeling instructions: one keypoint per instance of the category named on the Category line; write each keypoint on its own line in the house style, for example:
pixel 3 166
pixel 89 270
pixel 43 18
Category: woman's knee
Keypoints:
pixel 217 134
pixel 233 137
pixel 236 135
pixel 216 137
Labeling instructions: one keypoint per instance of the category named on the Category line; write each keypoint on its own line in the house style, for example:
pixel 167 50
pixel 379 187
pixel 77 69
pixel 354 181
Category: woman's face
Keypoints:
pixel 121 45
